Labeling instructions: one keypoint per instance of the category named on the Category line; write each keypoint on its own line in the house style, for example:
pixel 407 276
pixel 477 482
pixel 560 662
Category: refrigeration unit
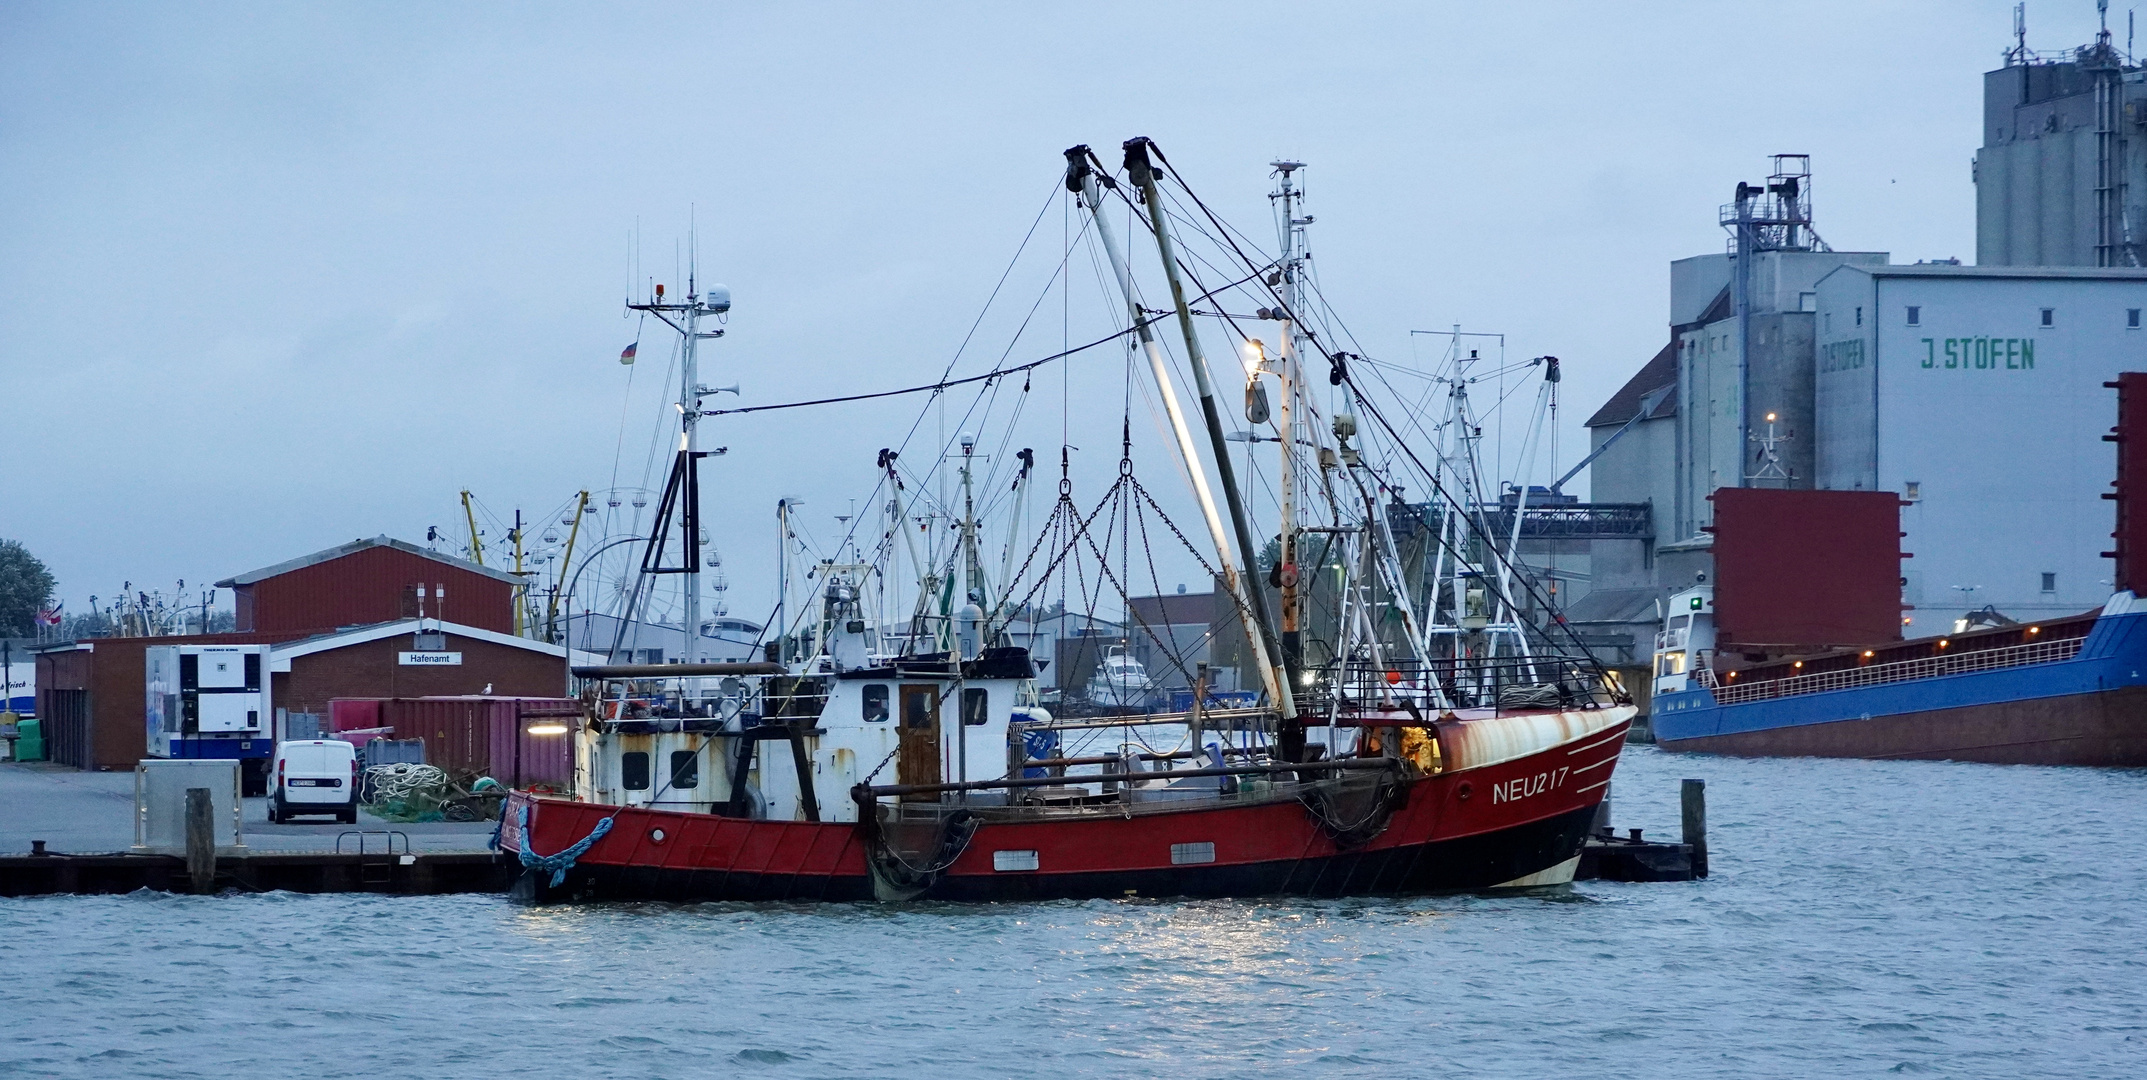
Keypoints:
pixel 212 701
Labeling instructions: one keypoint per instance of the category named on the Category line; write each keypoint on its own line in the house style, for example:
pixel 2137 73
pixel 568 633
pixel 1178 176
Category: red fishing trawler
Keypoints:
pixel 1398 727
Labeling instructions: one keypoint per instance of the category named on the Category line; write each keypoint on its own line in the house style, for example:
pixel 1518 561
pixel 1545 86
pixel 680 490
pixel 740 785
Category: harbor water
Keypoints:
pixel 1863 918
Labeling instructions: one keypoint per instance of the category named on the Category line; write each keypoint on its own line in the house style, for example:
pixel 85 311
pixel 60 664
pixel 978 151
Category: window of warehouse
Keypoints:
pixel 1915 315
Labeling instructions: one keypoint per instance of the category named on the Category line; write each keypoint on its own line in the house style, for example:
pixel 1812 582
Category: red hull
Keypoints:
pixel 1513 823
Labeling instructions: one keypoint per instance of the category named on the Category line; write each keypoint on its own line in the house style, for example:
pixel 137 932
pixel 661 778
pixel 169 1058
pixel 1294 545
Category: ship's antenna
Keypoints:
pixel 2020 32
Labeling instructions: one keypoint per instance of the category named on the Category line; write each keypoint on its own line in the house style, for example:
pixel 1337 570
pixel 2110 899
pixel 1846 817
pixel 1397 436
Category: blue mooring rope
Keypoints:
pixel 564 861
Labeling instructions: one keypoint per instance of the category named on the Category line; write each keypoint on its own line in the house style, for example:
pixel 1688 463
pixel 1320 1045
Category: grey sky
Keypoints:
pixel 273 277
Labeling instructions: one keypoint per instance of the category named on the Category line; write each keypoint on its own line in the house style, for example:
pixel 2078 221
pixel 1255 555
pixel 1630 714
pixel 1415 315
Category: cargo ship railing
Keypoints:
pixel 1729 692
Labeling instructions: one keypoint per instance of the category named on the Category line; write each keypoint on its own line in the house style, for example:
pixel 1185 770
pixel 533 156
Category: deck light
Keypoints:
pixel 2035 629
pixel 1942 643
pixel 1798 664
pixel 547 727
pixel 1867 654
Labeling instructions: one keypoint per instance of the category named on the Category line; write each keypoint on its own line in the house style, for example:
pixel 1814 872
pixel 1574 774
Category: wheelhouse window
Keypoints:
pixel 875 710
pixel 685 768
pixel 634 770
pixel 976 705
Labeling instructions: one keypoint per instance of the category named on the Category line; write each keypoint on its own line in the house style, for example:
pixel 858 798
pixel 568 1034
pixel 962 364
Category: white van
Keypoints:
pixel 314 776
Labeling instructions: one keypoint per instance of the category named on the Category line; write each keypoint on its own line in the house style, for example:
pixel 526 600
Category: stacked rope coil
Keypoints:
pixel 405 791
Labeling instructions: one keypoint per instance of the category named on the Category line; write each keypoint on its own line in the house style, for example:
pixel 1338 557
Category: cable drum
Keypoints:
pixel 1531 696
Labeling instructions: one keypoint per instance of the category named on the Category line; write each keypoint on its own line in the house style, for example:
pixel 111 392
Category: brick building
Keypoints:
pixel 344 623
pixel 370 581
pixel 402 660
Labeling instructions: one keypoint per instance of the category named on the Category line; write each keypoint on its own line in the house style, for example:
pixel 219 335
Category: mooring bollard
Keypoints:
pixel 1693 801
pixel 200 840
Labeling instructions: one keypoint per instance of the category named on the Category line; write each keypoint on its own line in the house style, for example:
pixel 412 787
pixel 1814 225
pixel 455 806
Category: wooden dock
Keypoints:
pixel 401 873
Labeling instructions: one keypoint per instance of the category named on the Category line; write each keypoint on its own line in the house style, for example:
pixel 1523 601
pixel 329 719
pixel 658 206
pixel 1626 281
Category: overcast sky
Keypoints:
pixel 274 277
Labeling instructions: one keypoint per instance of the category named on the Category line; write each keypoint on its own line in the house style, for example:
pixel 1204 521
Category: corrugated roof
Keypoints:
pixel 1654 375
pixel 352 548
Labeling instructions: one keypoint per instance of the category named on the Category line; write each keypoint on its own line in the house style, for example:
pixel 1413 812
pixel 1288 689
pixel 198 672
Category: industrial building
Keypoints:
pixel 723 638
pixel 1976 394
pixel 2061 177
pixel 342 622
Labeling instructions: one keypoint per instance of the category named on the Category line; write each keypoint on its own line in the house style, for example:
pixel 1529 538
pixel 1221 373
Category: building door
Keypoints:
pixel 917 757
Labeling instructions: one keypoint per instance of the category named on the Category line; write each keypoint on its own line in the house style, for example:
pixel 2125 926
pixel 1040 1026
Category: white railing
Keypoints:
pixel 2036 652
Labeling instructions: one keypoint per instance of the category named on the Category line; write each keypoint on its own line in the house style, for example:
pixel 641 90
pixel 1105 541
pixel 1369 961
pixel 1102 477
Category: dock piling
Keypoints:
pixel 1693 803
pixel 200 840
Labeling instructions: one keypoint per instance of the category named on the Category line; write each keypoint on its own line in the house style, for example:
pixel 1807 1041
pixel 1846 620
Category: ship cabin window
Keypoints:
pixel 2050 582
pixel 634 770
pixel 1669 663
pixel 976 705
pixel 685 768
pixel 875 703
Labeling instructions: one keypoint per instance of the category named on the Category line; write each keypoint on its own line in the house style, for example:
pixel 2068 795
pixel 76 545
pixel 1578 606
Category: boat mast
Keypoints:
pixel 685 317
pixel 1290 374
pixel 1088 182
pixel 782 579
pixel 1268 649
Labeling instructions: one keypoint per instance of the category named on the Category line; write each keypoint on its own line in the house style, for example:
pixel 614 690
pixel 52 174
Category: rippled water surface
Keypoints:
pixel 1863 918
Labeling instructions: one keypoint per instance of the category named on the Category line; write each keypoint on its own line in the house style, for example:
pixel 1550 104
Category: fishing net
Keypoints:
pixel 407 792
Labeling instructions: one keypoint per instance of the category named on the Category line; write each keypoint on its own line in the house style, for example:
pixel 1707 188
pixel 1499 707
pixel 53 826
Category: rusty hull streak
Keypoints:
pixel 1476 738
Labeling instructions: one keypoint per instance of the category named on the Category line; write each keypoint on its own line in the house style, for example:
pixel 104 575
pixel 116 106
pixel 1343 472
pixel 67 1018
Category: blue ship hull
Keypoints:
pixel 2089 709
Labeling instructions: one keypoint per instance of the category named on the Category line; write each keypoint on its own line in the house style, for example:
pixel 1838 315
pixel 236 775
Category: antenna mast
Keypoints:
pixel 1290 375
pixel 682 494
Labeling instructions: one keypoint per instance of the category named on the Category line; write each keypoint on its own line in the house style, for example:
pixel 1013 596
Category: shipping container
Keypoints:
pixel 476 736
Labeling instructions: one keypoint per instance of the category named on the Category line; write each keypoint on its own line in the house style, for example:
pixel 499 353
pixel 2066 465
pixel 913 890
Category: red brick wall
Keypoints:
pixel 369 586
pixel 371 670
